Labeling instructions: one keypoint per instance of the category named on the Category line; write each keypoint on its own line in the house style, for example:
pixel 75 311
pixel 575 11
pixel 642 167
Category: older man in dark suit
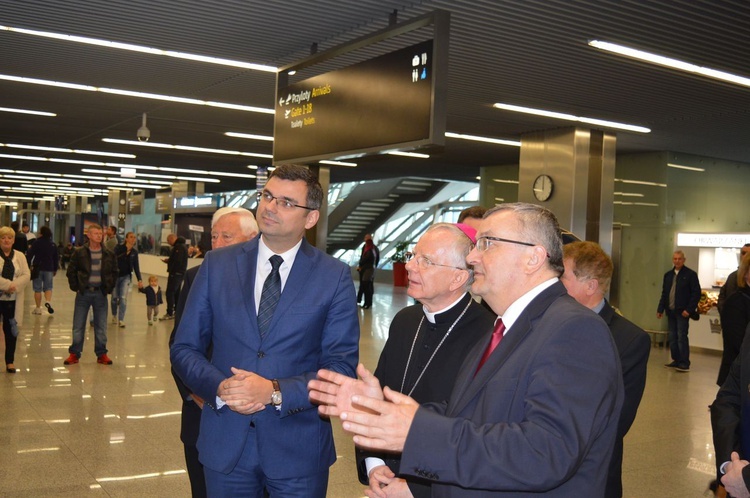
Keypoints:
pixel 535 406
pixel 730 421
pixel 588 273
pixel 229 226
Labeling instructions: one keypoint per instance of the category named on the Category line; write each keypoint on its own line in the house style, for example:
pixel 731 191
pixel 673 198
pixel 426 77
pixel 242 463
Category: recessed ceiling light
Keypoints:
pixel 130 93
pixel 134 166
pixel 661 60
pixel 641 182
pixel 571 117
pixel 689 168
pixel 142 49
pixel 68 151
pixel 407 154
pixel 499 141
pixel 151 175
pixel 189 148
pixel 249 136
pixel 339 163
pixel 27 111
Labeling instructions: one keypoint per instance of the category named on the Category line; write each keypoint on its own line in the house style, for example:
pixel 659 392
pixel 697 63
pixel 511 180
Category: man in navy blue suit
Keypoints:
pixel 275 310
pixel 588 273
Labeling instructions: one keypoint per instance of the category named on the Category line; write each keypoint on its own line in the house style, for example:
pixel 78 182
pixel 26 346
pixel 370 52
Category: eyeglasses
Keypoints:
pixel 484 243
pixel 423 262
pixel 282 203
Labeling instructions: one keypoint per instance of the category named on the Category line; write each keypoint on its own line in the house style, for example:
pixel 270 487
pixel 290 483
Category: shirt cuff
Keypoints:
pixel 371 463
pixel 219 403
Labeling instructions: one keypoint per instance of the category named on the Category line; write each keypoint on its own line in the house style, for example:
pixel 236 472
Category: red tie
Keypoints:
pixel 497 336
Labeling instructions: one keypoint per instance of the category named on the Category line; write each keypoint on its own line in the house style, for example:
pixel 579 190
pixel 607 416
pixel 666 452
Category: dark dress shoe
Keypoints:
pixel 9 369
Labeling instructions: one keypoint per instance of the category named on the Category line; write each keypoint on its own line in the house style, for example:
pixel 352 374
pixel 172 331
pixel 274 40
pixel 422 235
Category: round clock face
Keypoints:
pixel 543 186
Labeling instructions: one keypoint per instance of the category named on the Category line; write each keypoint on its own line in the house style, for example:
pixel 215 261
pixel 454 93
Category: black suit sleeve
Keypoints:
pixel 726 414
pixel 184 391
pixel 634 360
pixel 695 292
pixel 665 287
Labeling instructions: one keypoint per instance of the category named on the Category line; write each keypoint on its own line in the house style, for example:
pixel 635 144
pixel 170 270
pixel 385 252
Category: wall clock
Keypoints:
pixel 543 186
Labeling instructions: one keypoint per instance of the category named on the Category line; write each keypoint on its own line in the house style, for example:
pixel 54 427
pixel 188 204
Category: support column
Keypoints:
pixel 318 236
pixel 6 215
pixel 117 201
pixel 581 165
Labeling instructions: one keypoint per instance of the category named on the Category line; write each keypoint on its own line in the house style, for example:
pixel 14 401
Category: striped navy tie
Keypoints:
pixel 270 295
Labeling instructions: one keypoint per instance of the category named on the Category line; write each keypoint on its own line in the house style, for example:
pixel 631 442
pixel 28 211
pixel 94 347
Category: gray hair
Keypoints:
pixel 538 226
pixel 248 225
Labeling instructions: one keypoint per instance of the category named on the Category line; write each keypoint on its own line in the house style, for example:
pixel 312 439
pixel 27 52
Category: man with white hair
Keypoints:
pixel 428 341
pixel 229 226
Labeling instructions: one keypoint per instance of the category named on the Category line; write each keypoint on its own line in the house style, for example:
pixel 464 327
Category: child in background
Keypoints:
pixel 153 298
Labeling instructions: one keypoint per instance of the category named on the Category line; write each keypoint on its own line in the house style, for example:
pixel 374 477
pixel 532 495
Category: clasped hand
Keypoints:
pixel 245 392
pixel 733 480
pixel 379 419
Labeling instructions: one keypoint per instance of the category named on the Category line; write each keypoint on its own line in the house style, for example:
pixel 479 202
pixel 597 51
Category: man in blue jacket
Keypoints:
pixel 680 294
pixel 275 310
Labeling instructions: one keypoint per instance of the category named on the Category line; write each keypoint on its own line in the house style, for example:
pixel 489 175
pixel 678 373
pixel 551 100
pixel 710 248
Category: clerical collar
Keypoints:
pixel 431 316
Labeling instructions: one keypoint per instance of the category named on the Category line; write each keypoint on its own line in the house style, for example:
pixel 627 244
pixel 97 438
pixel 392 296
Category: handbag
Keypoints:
pixel 35 270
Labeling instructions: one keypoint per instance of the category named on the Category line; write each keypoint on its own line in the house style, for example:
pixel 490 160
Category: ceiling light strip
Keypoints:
pixel 69 151
pixel 130 93
pixel 407 154
pixel 661 60
pixel 641 182
pixel 571 117
pixel 499 141
pixel 27 111
pixel 338 163
pixel 165 177
pixel 142 49
pixel 189 148
pixel 133 166
pixel 689 168
pixel 249 136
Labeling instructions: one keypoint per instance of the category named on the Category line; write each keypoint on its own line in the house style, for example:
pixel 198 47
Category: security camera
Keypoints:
pixel 143 132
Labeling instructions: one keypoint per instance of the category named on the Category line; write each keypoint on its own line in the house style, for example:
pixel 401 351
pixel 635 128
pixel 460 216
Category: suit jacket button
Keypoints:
pixel 261 354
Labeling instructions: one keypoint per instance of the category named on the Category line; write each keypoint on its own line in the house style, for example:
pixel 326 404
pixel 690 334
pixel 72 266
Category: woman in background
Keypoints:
pixel 43 252
pixel 735 316
pixel 13 278
pixel 127 263
pixel 366 268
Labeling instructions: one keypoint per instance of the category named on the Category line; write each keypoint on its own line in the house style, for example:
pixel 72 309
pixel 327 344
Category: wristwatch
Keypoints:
pixel 276 394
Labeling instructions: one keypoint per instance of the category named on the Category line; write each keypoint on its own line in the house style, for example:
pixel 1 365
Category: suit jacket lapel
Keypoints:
pixel 246 269
pixel 468 385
